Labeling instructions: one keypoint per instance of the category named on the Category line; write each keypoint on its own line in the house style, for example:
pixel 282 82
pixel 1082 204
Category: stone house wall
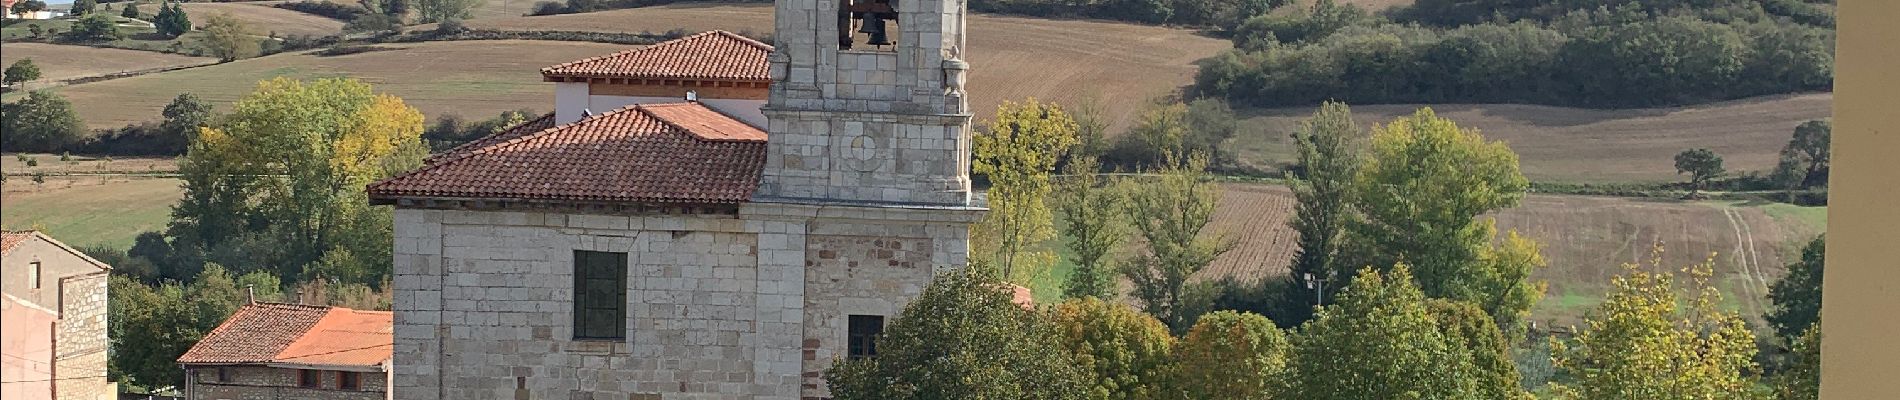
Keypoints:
pixel 80 357
pixel 719 306
pixel 270 383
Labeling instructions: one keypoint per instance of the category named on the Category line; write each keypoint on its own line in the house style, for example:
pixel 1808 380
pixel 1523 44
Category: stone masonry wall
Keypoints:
pixel 266 383
pixel 80 361
pixel 718 305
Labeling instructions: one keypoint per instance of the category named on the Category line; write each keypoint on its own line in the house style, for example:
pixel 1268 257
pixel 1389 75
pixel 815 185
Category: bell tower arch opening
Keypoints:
pixel 864 25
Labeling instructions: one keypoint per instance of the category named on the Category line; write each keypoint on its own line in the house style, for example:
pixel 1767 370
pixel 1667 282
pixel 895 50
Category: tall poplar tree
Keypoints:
pixel 1018 154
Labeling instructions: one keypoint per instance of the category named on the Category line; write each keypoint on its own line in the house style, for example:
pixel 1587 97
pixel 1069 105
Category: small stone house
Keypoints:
pixel 273 351
pixel 706 218
pixel 53 344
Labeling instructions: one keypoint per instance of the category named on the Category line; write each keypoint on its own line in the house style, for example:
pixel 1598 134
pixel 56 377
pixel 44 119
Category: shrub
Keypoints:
pixel 340 11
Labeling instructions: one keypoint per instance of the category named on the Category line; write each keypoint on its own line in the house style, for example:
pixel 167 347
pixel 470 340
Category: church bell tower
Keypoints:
pixel 867 104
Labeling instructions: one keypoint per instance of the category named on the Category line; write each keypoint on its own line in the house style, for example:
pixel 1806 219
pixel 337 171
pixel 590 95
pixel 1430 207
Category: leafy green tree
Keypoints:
pixel 1128 351
pixel 27 6
pixel 1230 354
pixel 1328 159
pixel 1652 339
pixel 149 327
pixel 432 11
pixel 41 122
pixel 318 144
pixel 21 72
pixel 1090 208
pixel 81 8
pixel 1797 295
pixel 183 117
pixel 1469 328
pixel 964 339
pixel 229 38
pixel 1420 193
pixel 1804 160
pixel 1801 380
pixel 1379 340
pixel 95 27
pixel 131 11
pixel 1017 155
pixel 1702 165
pixel 171 20
pixel 1170 212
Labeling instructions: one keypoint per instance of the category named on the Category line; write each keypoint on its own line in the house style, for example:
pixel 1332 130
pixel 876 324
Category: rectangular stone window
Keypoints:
pixel 346 380
pixel 33 275
pixel 862 333
pixel 600 295
pixel 309 378
pixel 224 374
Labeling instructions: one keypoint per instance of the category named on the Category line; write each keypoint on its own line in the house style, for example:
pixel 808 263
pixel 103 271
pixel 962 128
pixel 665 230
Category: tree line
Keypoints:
pixel 1401 288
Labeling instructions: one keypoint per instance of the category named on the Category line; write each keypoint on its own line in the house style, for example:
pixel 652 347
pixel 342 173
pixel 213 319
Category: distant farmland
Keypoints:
pixel 60 62
pixel 1561 144
pixel 476 79
pixel 1585 239
pixel 264 19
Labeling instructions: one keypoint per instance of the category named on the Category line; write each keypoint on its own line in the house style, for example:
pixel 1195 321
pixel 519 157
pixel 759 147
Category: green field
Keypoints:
pixel 90 211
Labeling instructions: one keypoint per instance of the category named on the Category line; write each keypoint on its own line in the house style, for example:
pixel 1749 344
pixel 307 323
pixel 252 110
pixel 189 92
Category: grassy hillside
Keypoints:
pixel 264 19
pixel 1012 58
pixel 1559 144
pixel 1585 239
pixel 88 210
pixel 475 79
pixel 59 62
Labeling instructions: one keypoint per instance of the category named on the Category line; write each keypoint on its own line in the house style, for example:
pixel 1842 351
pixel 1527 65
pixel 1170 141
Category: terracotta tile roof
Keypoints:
pixel 343 337
pixel 531 126
pixel 682 153
pixel 297 334
pixel 11 239
pixel 254 334
pixel 711 55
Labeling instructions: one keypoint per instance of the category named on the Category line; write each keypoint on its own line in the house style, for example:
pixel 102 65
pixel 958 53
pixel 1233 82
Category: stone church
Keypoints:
pixel 706 218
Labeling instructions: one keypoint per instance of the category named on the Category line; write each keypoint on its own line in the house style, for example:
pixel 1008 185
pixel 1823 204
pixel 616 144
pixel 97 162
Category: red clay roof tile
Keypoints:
pixel 649 153
pixel 277 333
pixel 11 239
pixel 711 55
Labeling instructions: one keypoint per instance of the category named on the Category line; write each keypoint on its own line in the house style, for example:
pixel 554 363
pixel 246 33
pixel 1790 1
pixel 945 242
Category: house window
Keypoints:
pixel 224 374
pixel 861 337
pixel 309 378
pixel 600 295
pixel 33 275
pixel 346 380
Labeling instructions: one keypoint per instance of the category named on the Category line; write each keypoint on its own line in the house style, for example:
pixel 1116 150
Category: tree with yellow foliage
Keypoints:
pixel 297 156
pixel 1017 154
pixel 1655 338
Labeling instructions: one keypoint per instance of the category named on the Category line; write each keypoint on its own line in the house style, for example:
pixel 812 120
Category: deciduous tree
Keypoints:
pixel 1379 340
pixel 82 7
pixel 43 121
pixel 1328 146
pixel 1801 379
pixel 1804 161
pixel 1091 208
pixel 1170 211
pixel 1231 355
pixel 96 27
pixel 1702 165
pixel 20 72
pixel 1017 155
pixel 1128 351
pixel 229 38
pixel 432 11
pixel 963 339
pixel 131 11
pixel 1654 338
pixel 1420 192
pixel 1797 295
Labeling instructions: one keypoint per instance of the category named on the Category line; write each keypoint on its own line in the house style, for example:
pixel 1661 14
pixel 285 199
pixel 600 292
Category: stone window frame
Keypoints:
pixel 619 333
pixel 36 273
pixel 224 374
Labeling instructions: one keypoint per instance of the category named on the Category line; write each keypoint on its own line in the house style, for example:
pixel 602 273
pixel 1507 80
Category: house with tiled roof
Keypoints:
pixel 706 218
pixel 292 351
pixel 53 342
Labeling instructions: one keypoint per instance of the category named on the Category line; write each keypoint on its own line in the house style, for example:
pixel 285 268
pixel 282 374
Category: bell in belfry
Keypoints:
pixel 874 25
